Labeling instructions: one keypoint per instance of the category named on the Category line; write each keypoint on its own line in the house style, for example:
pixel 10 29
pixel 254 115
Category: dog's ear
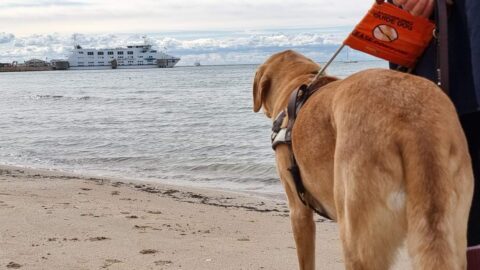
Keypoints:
pixel 261 84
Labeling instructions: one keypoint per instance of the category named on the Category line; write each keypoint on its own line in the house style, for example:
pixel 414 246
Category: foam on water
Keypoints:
pixel 188 126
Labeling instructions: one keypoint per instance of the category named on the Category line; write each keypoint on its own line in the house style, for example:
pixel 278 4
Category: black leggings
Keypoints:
pixel 471 126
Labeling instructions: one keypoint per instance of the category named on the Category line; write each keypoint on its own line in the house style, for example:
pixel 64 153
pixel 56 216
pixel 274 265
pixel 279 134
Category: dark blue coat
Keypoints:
pixel 464 56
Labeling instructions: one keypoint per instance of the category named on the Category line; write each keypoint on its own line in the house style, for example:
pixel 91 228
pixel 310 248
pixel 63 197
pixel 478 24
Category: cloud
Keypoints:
pixel 241 47
pixel 6 37
pixel 40 3
pixel 113 16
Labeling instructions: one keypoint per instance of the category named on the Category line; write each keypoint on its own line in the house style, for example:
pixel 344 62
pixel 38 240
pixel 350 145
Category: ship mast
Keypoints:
pixel 75 44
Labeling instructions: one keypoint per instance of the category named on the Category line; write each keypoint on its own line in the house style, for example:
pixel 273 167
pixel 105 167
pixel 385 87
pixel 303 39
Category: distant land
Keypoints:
pixel 208 48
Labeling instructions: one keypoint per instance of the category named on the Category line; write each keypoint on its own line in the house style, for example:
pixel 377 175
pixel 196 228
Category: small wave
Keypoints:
pixel 252 169
pixel 56 97
pixel 48 97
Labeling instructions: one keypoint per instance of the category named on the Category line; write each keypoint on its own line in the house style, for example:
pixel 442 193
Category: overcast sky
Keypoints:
pixel 24 17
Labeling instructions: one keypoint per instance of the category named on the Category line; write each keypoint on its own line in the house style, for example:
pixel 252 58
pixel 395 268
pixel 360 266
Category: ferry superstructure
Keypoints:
pixel 132 56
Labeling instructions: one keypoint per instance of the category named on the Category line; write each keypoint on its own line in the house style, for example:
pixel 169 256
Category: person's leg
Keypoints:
pixel 471 127
pixel 472 11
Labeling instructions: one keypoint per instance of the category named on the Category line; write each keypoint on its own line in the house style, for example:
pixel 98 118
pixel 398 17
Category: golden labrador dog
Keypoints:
pixel 384 154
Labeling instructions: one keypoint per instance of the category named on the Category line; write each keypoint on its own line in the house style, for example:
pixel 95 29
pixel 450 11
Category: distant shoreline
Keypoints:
pixel 24 69
pixel 27 69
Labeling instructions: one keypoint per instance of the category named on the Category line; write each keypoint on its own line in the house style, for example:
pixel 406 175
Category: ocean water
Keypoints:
pixel 187 125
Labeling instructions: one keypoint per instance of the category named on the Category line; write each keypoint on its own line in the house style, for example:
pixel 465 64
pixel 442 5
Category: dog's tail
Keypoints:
pixel 439 183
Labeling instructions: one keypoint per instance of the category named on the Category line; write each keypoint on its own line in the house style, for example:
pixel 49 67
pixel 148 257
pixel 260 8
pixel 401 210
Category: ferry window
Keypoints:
pixel 90 53
pixel 153 51
pixel 130 52
pixel 110 53
pixel 120 53
pixel 120 57
pixel 141 56
pixel 100 63
pixel 80 52
pixel 100 53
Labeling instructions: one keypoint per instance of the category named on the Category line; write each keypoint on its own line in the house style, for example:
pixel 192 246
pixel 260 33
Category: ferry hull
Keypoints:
pixel 118 67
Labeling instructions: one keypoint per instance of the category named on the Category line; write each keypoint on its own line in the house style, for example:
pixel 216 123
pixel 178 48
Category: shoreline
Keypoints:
pixel 280 196
pixel 66 221
pixel 181 193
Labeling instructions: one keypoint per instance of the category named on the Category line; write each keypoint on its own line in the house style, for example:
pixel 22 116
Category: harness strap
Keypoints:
pixel 296 101
pixel 442 45
pixel 303 194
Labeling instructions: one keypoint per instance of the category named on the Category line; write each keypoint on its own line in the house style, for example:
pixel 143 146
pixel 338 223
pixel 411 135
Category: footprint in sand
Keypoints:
pixel 110 262
pixel 162 262
pixel 13 265
pixel 155 212
pixel 98 238
pixel 148 251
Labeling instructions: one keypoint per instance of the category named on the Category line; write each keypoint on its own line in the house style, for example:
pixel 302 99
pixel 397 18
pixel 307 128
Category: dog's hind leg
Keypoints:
pixel 439 187
pixel 371 233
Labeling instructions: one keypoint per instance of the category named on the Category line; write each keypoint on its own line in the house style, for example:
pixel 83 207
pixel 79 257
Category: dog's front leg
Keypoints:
pixel 301 216
pixel 304 232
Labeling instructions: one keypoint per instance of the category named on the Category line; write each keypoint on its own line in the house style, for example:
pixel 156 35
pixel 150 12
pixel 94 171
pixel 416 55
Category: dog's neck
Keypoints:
pixel 295 84
pixel 321 82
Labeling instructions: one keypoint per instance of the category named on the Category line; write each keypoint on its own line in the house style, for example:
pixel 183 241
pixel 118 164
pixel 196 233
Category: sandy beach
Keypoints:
pixel 52 220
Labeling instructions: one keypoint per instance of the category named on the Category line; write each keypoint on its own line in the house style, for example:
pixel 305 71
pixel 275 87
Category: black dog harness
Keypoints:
pixel 283 135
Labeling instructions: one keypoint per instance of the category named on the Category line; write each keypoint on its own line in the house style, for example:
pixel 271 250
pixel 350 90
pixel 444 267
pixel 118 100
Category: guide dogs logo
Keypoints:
pixel 385 33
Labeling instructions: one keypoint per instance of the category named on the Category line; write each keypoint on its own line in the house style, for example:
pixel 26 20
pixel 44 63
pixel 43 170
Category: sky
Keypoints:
pixel 212 31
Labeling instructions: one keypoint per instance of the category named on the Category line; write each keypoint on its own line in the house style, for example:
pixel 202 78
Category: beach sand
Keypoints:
pixel 53 220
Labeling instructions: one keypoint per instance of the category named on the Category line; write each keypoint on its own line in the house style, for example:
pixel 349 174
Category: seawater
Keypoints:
pixel 187 125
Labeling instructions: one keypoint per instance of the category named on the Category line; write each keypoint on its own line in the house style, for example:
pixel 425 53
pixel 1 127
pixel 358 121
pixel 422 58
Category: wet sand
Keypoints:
pixel 52 220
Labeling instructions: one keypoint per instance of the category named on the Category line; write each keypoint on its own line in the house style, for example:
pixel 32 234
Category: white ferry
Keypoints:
pixel 133 56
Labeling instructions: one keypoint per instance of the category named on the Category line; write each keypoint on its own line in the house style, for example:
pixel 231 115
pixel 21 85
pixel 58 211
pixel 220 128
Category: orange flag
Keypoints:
pixel 393 34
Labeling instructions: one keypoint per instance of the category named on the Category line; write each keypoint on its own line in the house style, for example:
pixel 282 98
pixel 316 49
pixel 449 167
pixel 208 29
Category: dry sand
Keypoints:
pixel 52 220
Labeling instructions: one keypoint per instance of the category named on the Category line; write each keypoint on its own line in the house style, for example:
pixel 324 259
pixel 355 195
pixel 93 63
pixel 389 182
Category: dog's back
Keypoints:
pixel 401 168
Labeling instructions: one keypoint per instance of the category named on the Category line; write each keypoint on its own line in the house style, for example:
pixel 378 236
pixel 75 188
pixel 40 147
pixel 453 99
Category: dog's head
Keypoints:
pixel 277 75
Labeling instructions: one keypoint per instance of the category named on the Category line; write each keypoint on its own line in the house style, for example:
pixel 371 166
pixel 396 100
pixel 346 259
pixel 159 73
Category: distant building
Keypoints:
pixel 36 63
pixel 5 64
